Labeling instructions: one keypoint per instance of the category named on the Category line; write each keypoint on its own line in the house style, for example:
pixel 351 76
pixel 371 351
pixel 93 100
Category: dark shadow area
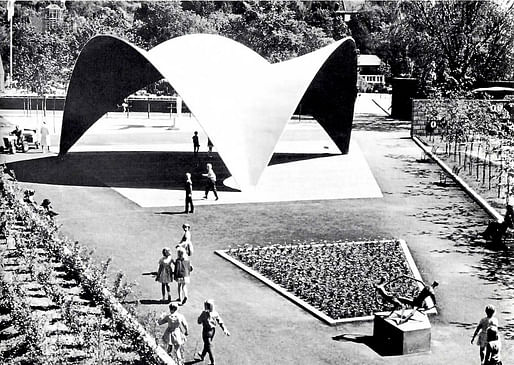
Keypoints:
pixel 366 340
pixel 170 213
pixel 152 170
pixel 380 125
pixel 464 325
pixel 152 301
pixel 194 361
pixel 142 126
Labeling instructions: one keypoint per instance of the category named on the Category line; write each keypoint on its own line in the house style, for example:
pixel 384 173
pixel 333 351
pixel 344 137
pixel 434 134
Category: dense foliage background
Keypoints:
pixel 449 44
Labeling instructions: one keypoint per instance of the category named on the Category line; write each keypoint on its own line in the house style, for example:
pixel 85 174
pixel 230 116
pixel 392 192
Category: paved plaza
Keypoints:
pixel 100 191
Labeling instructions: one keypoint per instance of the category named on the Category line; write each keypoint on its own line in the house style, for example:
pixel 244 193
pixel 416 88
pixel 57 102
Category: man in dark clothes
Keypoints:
pixel 189 194
pixel 196 144
pixel 18 133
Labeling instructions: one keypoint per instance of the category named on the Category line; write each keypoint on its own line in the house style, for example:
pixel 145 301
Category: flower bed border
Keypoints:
pixel 308 307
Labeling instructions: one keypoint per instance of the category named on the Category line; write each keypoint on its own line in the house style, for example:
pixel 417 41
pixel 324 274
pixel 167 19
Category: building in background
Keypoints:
pixel 370 76
pixel 52 17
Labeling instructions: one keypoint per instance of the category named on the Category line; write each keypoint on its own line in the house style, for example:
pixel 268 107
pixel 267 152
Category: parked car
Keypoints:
pixel 9 141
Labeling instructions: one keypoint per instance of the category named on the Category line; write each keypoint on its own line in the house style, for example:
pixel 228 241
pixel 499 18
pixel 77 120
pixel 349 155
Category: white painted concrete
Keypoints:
pixel 332 177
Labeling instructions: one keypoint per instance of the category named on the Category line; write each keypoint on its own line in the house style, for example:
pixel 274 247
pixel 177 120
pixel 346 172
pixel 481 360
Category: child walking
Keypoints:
pixel 209 319
pixel 175 334
pixel 165 273
pixel 182 273
pixel 483 325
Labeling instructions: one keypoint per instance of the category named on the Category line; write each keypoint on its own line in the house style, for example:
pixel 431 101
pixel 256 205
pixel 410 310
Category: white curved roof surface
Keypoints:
pixel 241 100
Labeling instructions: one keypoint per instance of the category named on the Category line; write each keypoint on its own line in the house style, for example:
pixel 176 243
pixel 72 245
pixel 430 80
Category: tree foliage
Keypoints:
pixel 452 44
pixel 276 30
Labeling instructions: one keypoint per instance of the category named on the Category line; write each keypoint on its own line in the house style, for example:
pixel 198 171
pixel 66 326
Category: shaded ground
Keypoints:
pixel 438 223
pixel 155 170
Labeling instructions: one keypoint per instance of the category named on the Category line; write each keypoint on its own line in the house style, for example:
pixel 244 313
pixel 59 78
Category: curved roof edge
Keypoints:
pixel 242 102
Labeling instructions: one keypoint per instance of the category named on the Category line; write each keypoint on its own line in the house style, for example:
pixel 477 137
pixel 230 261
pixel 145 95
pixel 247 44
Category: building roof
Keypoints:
pixel 368 60
pixel 53 6
pixel 352 5
pixel 242 102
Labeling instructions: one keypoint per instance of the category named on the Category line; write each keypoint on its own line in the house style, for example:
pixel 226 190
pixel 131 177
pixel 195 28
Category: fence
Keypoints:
pixel 46 103
pixel 424 123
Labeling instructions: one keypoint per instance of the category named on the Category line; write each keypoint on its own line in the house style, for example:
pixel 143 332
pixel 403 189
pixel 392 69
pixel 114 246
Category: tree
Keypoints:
pixel 275 31
pixel 39 58
pixel 460 41
pixel 157 22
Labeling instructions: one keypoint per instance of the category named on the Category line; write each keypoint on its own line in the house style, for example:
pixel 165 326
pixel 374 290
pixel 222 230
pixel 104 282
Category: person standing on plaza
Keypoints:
pixel 209 319
pixel 196 144
pixel 188 186
pixel 182 275
pixel 481 330
pixel 211 181
pixel 175 335
pixel 185 242
pixel 493 348
pixel 165 273
pixel 45 137
pixel 210 145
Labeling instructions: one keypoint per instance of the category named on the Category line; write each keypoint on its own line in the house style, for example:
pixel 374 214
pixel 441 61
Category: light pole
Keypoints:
pixel 10 15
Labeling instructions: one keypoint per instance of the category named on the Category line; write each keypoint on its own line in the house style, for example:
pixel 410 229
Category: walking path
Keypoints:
pixel 438 223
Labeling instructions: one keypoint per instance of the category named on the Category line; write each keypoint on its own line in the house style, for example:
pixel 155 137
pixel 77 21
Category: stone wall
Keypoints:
pixel 422 115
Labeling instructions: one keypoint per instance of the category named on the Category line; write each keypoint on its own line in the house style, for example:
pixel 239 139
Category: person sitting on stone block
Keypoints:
pixel 417 303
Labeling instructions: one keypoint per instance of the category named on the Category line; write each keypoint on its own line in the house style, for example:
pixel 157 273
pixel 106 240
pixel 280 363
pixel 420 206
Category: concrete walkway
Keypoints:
pixel 438 223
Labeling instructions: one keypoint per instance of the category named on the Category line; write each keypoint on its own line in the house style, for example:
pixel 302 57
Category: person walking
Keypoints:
pixel 165 273
pixel 208 319
pixel 210 145
pixel 211 182
pixel 45 138
pixel 493 348
pixel 185 243
pixel 175 335
pixel 196 144
pixel 489 321
pixel 182 275
pixel 190 208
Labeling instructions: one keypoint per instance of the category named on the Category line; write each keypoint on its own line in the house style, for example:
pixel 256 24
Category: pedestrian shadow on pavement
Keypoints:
pixel 170 213
pixel 153 301
pixel 366 340
pixel 133 169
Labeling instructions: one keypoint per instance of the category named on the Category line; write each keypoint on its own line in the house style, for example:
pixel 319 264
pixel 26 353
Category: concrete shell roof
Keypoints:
pixel 242 102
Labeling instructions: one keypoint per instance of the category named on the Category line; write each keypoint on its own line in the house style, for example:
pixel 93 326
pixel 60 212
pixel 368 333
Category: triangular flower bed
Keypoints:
pixel 332 280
